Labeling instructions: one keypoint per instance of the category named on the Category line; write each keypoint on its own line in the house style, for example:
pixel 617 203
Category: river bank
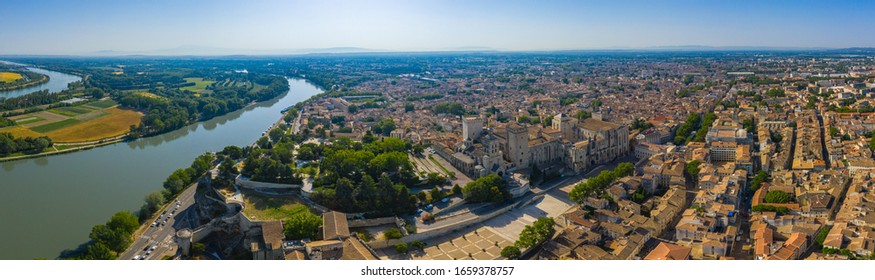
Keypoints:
pixel 87 187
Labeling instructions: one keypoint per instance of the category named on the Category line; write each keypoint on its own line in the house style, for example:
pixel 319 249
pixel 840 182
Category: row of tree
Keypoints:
pixel 9 144
pixel 538 232
pixel 110 239
pixel 598 184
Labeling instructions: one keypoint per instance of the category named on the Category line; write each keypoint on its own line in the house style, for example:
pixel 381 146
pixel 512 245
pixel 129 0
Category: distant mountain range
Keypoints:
pixel 213 51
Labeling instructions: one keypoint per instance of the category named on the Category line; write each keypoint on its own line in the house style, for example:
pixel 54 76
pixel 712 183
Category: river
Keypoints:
pixel 57 82
pixel 50 203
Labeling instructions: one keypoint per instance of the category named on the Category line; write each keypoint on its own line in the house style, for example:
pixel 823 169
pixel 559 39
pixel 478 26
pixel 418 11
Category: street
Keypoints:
pixel 164 236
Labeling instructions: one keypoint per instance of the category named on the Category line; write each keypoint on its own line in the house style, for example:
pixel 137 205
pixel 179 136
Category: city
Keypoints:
pixel 392 135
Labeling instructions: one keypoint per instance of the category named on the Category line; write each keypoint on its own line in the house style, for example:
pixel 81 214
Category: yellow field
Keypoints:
pixel 9 77
pixel 116 123
pixel 20 131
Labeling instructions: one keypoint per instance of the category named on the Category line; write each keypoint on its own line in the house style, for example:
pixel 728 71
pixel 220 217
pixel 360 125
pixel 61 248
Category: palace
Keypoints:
pixel 568 145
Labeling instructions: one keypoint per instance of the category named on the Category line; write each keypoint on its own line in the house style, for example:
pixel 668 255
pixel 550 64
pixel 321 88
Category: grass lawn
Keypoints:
pixel 199 84
pixel 9 77
pixel 258 207
pixel 54 126
pixel 103 104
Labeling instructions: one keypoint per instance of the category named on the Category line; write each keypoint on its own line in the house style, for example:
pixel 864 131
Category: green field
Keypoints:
pixel 29 120
pixel 199 84
pixel 54 126
pixel 103 104
pixel 259 207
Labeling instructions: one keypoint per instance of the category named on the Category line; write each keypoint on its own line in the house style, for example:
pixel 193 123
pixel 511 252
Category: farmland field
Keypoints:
pixel 8 77
pixel 70 111
pixel 20 131
pixel 94 125
pixel 28 120
pixel 54 126
pixel 103 104
pixel 199 84
pixel 116 122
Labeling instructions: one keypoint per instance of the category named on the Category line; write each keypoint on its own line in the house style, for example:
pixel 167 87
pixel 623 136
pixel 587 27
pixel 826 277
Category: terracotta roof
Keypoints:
pixel 334 225
pixel 668 251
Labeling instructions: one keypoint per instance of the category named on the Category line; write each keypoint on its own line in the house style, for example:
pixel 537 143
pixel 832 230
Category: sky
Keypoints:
pixel 47 27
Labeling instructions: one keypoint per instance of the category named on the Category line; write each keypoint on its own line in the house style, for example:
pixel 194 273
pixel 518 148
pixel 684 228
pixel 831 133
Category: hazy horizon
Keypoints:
pixel 270 27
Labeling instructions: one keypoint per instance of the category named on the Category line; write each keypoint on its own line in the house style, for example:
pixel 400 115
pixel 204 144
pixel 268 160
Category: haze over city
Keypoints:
pixel 287 27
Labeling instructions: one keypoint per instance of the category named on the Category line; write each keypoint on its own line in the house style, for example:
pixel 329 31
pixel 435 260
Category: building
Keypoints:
pixel 668 251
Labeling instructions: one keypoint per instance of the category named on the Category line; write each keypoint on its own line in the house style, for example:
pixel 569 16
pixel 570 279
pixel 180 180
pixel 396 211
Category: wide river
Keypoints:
pixel 57 82
pixel 49 204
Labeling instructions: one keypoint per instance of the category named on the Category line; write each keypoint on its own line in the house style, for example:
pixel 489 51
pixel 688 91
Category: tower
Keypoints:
pixel 564 125
pixel 472 127
pixel 518 145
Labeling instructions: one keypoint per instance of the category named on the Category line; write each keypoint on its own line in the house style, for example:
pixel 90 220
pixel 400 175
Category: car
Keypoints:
pixel 169 216
pixel 154 247
pixel 137 257
pixel 164 222
pixel 154 224
pixel 148 252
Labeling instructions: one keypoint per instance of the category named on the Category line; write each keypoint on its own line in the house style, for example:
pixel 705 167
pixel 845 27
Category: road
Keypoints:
pixel 164 236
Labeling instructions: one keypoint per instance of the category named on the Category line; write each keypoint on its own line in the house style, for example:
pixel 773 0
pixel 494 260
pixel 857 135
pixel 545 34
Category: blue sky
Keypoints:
pixel 87 26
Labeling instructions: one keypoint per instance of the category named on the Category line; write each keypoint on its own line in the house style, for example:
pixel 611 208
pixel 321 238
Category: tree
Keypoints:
pixel 536 233
pixel 401 248
pixel 99 251
pixel 511 252
pixel 693 168
pixel 597 184
pixel 490 188
pixel 435 179
pixel 778 197
pixel 198 248
pixel 301 226
pixel 392 233
pixel 457 189
pixel 761 177
pixel 153 201
pixel 419 245
pixel 125 221
pixel 582 115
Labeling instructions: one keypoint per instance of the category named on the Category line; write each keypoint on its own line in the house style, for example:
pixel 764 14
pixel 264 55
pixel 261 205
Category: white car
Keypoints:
pixel 137 257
